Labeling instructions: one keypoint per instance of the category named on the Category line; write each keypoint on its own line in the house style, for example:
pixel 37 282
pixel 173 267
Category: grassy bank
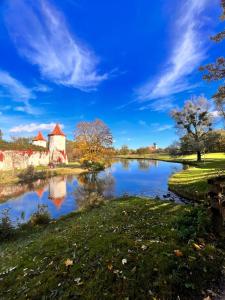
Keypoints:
pixel 11 177
pixel 127 249
pixel 192 182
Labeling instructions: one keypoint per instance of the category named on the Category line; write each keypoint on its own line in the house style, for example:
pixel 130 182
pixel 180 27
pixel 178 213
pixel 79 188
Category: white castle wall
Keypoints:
pixel 57 142
pixel 14 159
pixel 40 143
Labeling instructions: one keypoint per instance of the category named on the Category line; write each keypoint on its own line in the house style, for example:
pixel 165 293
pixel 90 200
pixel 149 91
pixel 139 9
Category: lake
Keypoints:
pixel 64 194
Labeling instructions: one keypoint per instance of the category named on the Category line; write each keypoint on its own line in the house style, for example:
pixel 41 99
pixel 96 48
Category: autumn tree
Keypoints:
pixel 194 121
pixel 216 71
pixel 93 140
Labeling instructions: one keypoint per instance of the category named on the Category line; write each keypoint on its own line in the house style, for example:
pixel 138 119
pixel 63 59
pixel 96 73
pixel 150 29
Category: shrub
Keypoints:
pixel 193 223
pixel 30 174
pixel 90 200
pixel 6 228
pixel 41 216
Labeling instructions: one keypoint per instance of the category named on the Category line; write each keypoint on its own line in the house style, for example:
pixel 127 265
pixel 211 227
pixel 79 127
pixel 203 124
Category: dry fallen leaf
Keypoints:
pixel 110 266
pixel 197 247
pixel 68 262
pixel 178 253
pixel 143 247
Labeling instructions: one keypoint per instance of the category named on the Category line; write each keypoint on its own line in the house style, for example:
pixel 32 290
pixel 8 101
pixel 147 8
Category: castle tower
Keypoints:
pixel 39 140
pixel 57 145
pixel 57 190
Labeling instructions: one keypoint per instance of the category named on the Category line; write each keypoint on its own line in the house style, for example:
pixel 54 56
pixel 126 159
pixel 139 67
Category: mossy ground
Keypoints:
pixel 127 249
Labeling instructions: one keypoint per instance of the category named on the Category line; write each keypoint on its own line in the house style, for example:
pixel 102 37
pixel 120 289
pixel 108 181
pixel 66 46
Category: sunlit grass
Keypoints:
pixel 192 183
pixel 121 250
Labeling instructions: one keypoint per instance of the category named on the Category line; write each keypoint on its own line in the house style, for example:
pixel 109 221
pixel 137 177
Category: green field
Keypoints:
pixel 192 182
pixel 126 249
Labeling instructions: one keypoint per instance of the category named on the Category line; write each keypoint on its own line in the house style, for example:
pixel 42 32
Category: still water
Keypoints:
pixel 64 194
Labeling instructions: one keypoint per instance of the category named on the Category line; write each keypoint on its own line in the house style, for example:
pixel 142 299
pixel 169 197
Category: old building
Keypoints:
pixel 54 153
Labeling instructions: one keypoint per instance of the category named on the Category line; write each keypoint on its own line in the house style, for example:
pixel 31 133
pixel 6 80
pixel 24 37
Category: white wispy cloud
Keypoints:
pixel 32 127
pixel 42 36
pixel 160 105
pixel 188 52
pixel 164 127
pixel 155 127
pixel 13 89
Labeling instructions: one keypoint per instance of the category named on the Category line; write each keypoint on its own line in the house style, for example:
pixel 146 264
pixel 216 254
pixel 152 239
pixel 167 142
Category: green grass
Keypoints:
pixel 122 250
pixel 192 182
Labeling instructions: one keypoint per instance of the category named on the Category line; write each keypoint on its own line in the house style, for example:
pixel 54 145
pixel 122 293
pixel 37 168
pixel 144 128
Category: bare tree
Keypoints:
pixel 216 71
pixel 195 121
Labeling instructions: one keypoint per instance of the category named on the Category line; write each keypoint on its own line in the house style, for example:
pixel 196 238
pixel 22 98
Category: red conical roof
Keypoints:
pixel 57 131
pixel 39 137
pixel 40 192
pixel 57 201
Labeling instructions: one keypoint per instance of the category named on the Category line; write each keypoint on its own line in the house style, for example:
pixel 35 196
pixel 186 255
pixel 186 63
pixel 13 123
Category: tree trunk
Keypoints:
pixel 199 156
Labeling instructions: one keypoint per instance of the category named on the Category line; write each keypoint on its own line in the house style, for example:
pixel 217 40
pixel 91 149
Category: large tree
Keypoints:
pixel 93 140
pixel 216 71
pixel 194 121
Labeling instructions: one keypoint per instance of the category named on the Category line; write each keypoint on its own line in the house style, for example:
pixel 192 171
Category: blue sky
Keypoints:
pixel 126 62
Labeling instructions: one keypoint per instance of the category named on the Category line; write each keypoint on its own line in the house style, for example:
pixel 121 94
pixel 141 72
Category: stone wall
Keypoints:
pixel 40 143
pixel 14 159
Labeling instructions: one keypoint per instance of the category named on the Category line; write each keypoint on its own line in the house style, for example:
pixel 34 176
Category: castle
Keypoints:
pixel 54 153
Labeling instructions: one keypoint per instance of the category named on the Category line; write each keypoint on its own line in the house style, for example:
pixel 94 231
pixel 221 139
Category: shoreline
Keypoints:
pixel 190 183
pixel 18 187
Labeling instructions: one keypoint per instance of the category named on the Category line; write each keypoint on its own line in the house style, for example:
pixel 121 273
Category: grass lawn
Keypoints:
pixel 192 182
pixel 127 249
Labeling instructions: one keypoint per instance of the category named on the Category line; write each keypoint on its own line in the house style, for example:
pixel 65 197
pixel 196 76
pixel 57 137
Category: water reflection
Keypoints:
pixel 145 164
pixel 93 185
pixel 63 194
pixel 125 164
pixel 57 190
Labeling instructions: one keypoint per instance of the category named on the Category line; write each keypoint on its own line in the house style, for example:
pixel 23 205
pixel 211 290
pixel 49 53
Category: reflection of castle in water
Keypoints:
pixel 57 190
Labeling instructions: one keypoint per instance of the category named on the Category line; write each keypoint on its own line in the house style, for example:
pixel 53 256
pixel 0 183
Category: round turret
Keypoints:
pixel 57 140
pixel 39 140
